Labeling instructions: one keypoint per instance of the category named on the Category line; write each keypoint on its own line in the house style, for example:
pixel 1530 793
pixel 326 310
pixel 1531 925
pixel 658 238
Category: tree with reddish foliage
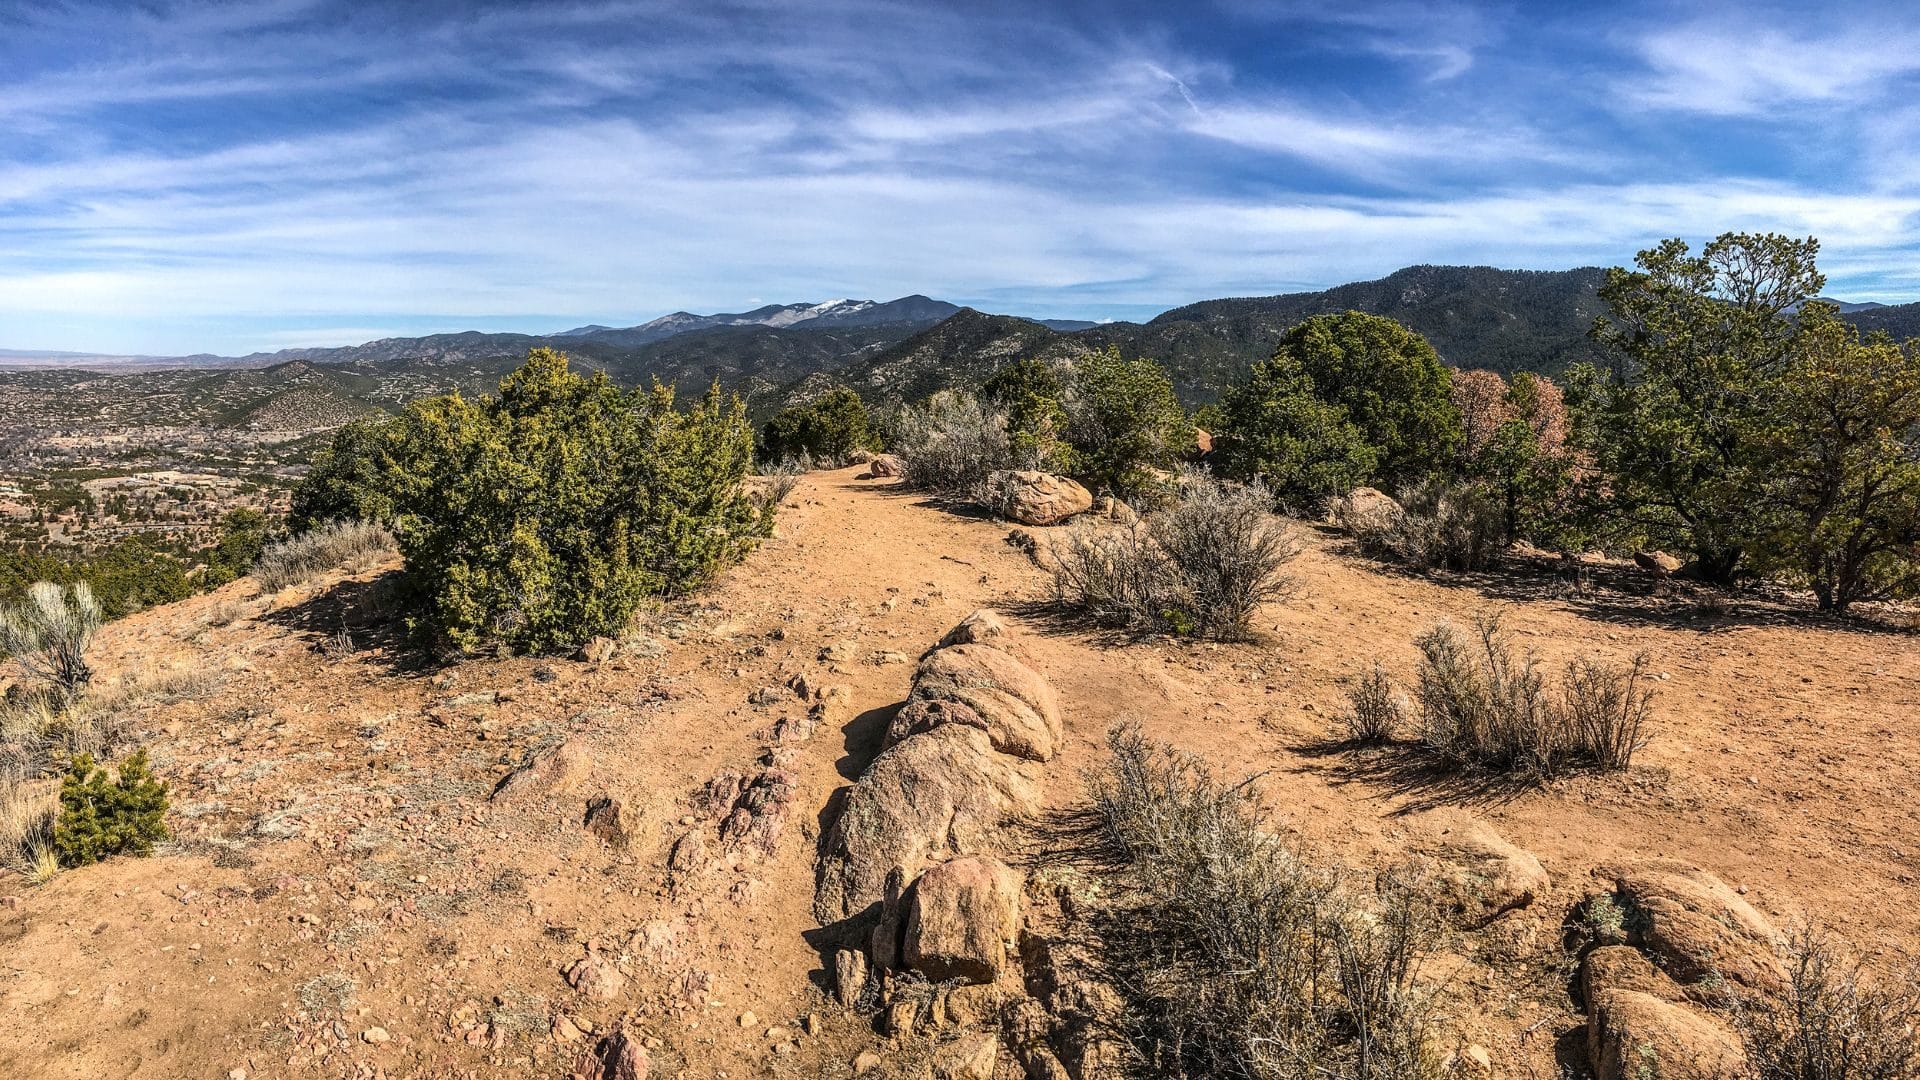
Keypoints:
pixel 1515 442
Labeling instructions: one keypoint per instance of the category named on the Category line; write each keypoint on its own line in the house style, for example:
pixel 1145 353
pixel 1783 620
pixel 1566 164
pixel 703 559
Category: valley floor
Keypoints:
pixel 340 852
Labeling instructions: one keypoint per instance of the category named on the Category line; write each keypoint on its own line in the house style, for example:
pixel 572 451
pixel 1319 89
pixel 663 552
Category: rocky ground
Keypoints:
pixel 385 867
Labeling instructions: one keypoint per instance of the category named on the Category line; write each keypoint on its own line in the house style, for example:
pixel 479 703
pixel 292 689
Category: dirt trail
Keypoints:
pixel 341 870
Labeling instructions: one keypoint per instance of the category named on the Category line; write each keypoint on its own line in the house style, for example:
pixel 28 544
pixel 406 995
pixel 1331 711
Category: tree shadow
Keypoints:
pixel 1399 771
pixel 1630 596
pixel 367 614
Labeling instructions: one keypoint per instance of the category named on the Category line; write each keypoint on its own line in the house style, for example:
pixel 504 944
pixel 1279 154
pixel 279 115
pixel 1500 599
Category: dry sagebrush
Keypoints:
pixel 1237 957
pixel 1481 706
pixel 354 545
pixel 1202 566
pixel 48 633
pixel 1834 1021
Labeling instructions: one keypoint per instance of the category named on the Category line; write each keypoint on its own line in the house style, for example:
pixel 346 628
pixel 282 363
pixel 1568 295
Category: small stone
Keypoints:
pixel 375 1035
pixel 597 650
pixel 812 1024
pixel 747 1019
pixel 606 818
pixel 865 1062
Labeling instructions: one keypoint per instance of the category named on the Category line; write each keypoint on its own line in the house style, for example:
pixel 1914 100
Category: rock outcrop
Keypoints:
pixel 939 794
pixel 1694 925
pixel 1015 705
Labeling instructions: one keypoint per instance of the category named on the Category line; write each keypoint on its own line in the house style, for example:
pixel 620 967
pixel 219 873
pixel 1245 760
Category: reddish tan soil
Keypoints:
pixel 332 818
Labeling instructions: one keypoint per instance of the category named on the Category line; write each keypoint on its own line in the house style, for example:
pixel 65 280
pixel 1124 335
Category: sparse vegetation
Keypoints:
pixel 1835 1020
pixel 1482 707
pixel 953 443
pixel 354 545
pixel 1239 958
pixel 244 536
pixel 1201 567
pixel 102 815
pixel 1438 525
pixel 782 477
pixel 49 633
pixel 1377 712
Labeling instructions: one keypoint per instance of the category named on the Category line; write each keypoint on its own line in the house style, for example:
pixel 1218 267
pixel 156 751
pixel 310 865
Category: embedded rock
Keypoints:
pixel 1484 874
pixel 1631 1035
pixel 1694 925
pixel 960 916
pixel 1019 708
pixel 983 627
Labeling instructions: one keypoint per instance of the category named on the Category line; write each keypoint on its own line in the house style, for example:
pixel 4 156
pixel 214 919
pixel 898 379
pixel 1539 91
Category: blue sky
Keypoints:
pixel 189 175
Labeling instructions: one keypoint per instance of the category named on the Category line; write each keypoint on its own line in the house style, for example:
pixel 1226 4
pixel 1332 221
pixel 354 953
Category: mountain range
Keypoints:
pixel 897 350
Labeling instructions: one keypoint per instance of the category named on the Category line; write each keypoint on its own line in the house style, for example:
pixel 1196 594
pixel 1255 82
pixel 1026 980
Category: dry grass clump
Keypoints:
pixel 48 634
pixel 1482 707
pixel 782 477
pixel 1377 712
pixel 27 811
pixel 1237 957
pixel 1202 566
pixel 1438 526
pixel 354 545
pixel 1835 1020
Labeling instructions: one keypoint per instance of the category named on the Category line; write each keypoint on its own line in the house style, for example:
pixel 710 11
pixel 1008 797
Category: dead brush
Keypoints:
pixel 1483 707
pixel 1376 712
pixel 1835 1020
pixel 1239 958
pixel 782 477
pixel 1202 566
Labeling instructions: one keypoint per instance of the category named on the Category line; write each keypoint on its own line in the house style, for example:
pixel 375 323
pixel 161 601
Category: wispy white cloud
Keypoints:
pixel 233 176
pixel 1752 62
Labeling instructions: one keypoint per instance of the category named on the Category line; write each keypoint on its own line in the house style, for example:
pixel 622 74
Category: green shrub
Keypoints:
pixel 1029 394
pixel 1124 423
pixel 1279 432
pixel 355 478
pixel 102 815
pixel 830 427
pixel 244 534
pixel 546 515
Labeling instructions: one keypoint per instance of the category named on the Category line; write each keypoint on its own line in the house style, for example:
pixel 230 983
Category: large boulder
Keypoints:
pixel 1364 510
pixel 937 795
pixel 885 465
pixel 1037 498
pixel 1693 925
pixel 1631 1035
pixel 960 916
pixel 1014 704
